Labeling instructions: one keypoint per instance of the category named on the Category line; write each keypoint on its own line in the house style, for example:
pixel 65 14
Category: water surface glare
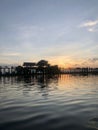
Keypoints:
pixel 64 102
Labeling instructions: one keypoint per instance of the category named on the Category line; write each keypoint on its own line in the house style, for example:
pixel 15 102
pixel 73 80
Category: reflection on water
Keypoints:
pixel 49 102
pixel 93 123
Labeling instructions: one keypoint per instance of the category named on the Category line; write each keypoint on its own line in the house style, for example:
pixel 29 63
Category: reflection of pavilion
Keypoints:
pixel 42 84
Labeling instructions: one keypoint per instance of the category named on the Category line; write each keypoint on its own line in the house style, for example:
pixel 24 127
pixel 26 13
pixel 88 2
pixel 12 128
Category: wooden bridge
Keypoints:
pixel 79 70
pixel 5 70
pixel 25 70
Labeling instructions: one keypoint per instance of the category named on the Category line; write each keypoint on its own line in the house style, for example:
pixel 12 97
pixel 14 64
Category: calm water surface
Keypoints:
pixel 62 102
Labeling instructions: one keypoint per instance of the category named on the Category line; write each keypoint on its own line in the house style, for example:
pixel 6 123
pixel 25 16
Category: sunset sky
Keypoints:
pixel 64 32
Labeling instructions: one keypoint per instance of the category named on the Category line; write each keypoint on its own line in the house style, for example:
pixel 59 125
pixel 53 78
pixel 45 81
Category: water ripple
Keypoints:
pixel 57 103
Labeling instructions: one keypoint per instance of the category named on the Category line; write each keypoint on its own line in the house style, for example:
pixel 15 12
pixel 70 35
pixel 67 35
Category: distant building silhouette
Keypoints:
pixel 29 64
pixel 43 67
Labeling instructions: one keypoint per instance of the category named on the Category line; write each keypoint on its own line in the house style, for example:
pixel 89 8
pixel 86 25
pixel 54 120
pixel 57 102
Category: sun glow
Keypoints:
pixel 62 61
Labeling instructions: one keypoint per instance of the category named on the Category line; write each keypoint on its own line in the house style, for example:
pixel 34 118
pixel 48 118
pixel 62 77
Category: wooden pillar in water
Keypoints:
pixel 0 70
pixel 8 70
pixel 4 70
pixel 11 69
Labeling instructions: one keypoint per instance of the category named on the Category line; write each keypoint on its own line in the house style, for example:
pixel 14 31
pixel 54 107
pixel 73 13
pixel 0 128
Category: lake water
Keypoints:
pixel 64 102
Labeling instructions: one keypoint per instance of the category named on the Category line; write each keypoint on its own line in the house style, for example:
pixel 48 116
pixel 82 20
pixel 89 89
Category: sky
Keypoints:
pixel 64 32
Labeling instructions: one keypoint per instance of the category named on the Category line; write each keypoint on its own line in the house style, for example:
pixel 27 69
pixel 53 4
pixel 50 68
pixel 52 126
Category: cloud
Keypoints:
pixel 93 60
pixel 91 30
pixel 91 26
pixel 11 54
pixel 30 31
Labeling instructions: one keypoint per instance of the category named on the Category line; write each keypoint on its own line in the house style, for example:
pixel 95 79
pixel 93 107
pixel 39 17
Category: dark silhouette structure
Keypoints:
pixel 78 70
pixel 42 67
pixel 29 64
